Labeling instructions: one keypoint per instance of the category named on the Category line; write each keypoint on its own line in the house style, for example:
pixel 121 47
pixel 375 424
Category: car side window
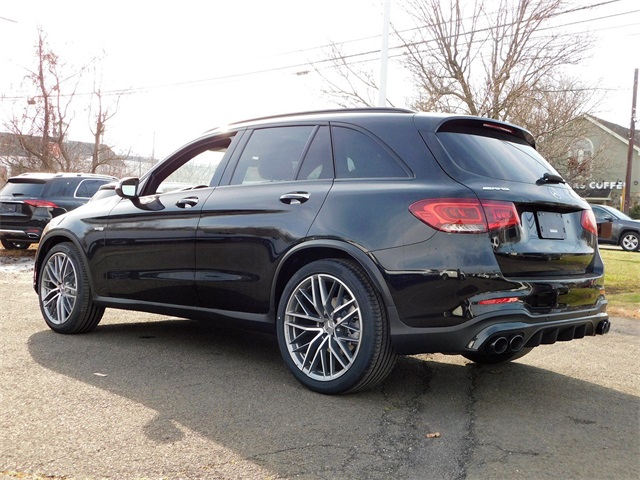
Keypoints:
pixel 61 187
pixel 88 188
pixel 357 155
pixel 272 155
pixel 600 214
pixel 198 168
pixel 318 161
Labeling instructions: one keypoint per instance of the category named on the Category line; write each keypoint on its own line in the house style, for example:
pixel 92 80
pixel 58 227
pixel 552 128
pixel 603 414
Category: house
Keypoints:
pixel 596 161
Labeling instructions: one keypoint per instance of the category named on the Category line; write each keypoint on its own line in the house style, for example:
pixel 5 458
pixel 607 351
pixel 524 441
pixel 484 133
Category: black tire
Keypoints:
pixel 14 245
pixel 340 344
pixel 630 241
pixel 64 293
pixel 492 359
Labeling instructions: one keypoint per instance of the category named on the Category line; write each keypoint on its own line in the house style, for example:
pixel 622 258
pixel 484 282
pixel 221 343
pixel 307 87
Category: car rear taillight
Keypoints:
pixel 588 222
pixel 466 215
pixel 41 203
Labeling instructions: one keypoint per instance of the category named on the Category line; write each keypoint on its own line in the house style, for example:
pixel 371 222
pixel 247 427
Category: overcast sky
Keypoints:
pixel 191 65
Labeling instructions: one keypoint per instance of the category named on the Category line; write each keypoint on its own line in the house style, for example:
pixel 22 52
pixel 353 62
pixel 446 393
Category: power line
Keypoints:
pixel 314 64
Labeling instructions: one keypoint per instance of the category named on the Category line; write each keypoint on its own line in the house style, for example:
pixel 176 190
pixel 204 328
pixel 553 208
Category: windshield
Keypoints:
pixel 618 214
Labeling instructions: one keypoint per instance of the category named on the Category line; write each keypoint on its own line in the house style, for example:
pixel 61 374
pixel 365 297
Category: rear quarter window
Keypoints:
pixel 89 187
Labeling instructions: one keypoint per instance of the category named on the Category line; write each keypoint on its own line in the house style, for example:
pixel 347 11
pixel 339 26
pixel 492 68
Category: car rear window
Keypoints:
pixel 22 189
pixel 493 157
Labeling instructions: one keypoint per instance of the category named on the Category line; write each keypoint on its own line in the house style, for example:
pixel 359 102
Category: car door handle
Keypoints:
pixel 187 202
pixel 294 198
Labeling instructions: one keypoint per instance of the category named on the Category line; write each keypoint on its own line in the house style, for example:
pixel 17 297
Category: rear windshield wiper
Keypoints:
pixel 550 178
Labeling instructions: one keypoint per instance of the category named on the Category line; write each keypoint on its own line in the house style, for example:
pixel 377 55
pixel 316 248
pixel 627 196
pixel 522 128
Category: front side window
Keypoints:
pixel 198 167
pixel 272 155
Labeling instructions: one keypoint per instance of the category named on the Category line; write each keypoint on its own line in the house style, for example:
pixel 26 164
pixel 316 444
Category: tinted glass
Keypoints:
pixel 603 212
pixel 22 189
pixel 272 155
pixel 197 166
pixel 87 188
pixel 494 157
pixel 359 156
pixel 318 161
pixel 62 187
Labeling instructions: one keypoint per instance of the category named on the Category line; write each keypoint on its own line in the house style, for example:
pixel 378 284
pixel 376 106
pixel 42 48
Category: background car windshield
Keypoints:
pixel 610 212
pixel 477 155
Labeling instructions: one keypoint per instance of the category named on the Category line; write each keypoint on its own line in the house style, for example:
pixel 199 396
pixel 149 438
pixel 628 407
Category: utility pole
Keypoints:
pixel 632 136
pixel 384 55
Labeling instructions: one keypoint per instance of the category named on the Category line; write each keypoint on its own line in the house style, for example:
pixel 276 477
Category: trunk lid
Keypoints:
pixel 499 162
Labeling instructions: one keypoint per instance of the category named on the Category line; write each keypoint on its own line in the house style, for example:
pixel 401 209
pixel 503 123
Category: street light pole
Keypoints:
pixel 384 55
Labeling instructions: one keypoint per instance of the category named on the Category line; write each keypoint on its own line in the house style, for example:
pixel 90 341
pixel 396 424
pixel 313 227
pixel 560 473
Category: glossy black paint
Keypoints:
pixel 226 251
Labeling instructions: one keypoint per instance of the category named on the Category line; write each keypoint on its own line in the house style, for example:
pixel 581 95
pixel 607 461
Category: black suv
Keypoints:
pixel 355 234
pixel 29 201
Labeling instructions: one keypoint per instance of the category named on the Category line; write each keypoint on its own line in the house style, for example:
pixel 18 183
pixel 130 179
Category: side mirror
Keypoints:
pixel 128 188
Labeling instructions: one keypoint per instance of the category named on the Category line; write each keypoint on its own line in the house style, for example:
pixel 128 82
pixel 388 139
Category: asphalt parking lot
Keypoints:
pixel 150 397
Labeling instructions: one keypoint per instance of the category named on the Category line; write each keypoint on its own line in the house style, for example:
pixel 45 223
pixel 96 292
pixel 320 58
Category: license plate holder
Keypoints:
pixel 551 225
pixel 8 208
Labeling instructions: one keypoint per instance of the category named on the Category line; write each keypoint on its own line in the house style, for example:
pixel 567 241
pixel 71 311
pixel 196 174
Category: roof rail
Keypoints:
pixel 334 110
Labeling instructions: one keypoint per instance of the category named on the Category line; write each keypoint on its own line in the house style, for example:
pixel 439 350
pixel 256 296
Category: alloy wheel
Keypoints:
pixel 629 242
pixel 323 327
pixel 58 288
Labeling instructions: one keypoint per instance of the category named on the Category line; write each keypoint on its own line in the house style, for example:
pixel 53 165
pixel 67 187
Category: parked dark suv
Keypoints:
pixel 356 235
pixel 29 201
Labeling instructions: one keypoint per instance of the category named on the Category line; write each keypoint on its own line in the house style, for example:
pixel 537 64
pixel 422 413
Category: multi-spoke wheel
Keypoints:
pixel 630 241
pixel 332 328
pixel 64 292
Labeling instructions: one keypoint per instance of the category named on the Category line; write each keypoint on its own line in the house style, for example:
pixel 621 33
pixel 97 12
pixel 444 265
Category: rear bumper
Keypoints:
pixel 20 235
pixel 475 335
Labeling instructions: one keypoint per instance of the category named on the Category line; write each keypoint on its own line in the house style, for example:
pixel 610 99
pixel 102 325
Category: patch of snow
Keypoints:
pixel 13 265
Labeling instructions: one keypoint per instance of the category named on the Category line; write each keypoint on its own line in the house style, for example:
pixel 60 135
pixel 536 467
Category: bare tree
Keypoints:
pixel 42 124
pixel 348 84
pixel 99 115
pixel 40 127
pixel 498 59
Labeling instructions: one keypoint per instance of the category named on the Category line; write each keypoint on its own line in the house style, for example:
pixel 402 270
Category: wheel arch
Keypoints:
pixel 313 250
pixel 46 245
